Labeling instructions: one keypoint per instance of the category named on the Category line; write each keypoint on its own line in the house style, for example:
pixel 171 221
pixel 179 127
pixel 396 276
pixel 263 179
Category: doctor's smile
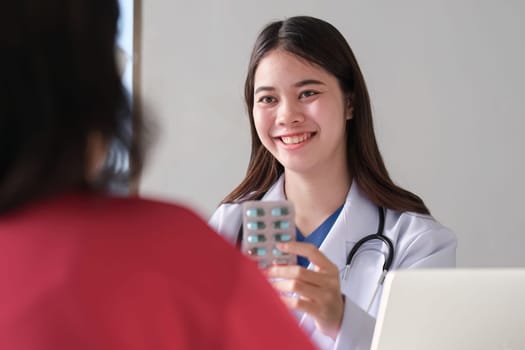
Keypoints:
pixel 295 139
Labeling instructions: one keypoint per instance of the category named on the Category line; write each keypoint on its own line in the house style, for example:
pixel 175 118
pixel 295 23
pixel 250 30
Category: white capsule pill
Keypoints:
pixel 256 238
pixel 282 224
pixel 280 261
pixel 281 211
pixel 254 212
pixel 255 225
pixel 282 237
pixel 257 251
pixel 278 252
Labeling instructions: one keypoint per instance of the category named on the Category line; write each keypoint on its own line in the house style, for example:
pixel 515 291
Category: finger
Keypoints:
pixel 316 294
pixel 310 252
pixel 305 290
pixel 328 321
pixel 301 304
pixel 298 272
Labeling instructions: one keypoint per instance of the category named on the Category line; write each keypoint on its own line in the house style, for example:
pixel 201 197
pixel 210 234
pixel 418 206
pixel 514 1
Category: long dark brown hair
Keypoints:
pixel 322 44
pixel 59 83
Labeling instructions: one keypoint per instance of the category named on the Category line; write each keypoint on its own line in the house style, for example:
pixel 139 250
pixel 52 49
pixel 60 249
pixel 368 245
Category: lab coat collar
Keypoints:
pixel 358 219
pixel 276 192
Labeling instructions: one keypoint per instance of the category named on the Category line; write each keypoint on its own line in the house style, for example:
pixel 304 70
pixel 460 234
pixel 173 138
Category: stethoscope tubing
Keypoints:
pixel 378 235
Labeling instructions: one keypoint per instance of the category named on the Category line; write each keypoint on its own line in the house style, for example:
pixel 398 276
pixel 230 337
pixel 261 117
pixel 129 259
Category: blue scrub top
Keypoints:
pixel 318 235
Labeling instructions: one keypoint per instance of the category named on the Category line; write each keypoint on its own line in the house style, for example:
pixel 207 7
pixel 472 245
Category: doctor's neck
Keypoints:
pixel 316 195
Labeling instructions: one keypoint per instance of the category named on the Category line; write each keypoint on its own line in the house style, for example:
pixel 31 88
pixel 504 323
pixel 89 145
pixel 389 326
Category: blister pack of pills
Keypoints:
pixel 266 223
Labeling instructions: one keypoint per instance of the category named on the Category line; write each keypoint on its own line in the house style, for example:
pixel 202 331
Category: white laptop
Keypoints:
pixel 444 309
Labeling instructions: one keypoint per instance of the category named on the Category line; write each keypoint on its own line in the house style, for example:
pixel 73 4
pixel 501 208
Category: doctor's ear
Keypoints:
pixel 349 108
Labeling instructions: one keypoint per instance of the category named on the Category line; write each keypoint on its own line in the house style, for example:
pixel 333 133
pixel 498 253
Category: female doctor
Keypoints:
pixel 313 143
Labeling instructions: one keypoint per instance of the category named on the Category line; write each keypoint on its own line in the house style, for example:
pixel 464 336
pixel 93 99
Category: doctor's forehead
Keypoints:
pixel 284 69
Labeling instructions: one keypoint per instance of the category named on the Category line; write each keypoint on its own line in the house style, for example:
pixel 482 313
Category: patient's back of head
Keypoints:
pixel 59 88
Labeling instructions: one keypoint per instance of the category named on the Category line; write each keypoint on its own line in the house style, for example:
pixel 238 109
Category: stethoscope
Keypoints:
pixel 379 235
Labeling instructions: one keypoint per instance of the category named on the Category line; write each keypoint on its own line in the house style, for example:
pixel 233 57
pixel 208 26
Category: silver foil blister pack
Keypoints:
pixel 266 223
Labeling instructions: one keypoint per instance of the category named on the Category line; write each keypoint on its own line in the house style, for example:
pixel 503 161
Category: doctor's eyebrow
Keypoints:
pixel 298 84
pixel 308 82
pixel 263 88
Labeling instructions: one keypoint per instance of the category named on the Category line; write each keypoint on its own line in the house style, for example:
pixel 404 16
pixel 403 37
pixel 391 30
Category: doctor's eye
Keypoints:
pixel 267 99
pixel 307 93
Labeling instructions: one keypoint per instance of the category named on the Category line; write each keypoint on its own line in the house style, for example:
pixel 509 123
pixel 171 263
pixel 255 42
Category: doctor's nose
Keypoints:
pixel 289 113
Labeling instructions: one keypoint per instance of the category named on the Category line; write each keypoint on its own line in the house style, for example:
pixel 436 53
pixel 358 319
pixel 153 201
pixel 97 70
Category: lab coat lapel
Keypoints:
pixel 357 219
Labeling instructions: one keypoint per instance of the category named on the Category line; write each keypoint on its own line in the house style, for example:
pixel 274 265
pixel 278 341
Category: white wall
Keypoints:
pixel 447 83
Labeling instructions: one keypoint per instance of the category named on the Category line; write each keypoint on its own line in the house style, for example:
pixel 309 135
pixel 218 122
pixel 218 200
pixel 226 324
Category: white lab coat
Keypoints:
pixel 419 241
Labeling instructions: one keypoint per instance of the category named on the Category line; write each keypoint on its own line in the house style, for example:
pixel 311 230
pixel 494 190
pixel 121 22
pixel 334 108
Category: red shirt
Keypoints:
pixel 95 272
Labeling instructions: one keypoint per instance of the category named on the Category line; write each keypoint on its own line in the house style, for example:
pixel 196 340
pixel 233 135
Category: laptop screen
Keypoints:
pixel 452 309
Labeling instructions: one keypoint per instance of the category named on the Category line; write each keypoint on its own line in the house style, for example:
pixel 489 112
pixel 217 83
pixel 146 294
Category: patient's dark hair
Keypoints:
pixel 59 83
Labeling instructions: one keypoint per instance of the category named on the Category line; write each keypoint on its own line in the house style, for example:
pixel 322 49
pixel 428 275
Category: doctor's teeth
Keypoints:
pixel 290 140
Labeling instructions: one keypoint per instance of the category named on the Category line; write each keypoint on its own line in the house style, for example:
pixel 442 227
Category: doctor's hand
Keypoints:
pixel 318 290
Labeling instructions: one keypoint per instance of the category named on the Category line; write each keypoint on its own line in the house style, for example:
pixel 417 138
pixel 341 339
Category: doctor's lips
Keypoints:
pixel 296 138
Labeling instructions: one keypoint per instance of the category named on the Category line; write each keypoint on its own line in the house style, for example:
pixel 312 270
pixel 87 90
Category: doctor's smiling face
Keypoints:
pixel 300 113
